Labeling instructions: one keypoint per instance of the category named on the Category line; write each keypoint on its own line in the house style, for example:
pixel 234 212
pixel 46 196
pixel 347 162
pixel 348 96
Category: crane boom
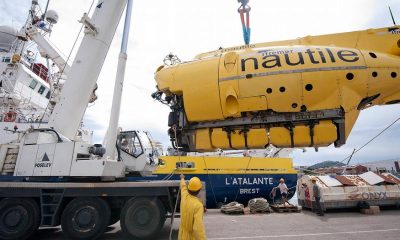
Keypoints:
pixel 99 32
pixel 111 134
pixel 48 50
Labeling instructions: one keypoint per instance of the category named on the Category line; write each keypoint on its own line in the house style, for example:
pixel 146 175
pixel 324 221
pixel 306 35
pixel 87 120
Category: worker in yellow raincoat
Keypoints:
pixel 192 211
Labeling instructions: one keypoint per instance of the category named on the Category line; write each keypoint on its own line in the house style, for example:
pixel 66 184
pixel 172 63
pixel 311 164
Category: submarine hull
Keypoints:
pixel 306 92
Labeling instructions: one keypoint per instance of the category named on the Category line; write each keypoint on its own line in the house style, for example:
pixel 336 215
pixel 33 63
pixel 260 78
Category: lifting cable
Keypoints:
pixel 169 176
pixel 73 46
pixel 209 179
pixel 372 139
pixel 174 211
pixel 244 175
pixel 243 10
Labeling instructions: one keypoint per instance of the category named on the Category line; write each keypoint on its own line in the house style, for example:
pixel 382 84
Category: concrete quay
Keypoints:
pixel 304 225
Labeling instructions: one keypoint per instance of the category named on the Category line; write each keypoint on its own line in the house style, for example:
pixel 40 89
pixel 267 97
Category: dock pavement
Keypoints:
pixel 304 225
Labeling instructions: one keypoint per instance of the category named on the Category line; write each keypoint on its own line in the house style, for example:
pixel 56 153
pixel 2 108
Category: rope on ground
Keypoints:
pixel 232 208
pixel 259 205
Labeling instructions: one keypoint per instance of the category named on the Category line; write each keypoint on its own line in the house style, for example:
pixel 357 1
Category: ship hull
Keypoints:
pixel 229 179
pixel 225 188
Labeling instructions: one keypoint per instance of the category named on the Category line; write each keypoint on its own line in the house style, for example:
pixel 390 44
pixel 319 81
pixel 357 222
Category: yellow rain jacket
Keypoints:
pixel 192 211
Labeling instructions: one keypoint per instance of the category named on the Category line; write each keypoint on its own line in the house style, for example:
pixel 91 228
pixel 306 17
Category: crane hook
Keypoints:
pixel 245 9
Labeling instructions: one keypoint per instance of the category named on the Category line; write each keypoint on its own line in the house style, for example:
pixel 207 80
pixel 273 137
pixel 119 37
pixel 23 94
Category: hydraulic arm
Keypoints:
pixel 48 50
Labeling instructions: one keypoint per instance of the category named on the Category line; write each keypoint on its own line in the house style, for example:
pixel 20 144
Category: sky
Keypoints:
pixel 187 28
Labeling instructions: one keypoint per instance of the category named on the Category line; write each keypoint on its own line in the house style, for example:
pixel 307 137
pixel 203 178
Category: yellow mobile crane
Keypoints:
pixel 306 92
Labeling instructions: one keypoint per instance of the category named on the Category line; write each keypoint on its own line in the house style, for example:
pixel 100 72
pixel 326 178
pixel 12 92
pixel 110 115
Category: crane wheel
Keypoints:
pixel 85 218
pixel 19 218
pixel 142 218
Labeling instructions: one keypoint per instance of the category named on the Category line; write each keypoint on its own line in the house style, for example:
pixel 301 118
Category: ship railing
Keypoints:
pixel 27 121
pixel 41 71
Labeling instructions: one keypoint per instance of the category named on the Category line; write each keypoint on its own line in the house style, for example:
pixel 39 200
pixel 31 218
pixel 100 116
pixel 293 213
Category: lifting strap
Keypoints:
pixel 291 132
pixel 228 133
pixel 243 10
pixel 312 125
pixel 245 131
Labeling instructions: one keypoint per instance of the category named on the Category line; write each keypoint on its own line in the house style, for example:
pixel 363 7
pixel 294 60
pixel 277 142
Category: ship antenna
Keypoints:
pixel 391 14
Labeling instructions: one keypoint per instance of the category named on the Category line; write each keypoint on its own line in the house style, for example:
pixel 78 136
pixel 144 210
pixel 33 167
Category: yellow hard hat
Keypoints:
pixel 194 184
pixel 281 180
pixel 314 179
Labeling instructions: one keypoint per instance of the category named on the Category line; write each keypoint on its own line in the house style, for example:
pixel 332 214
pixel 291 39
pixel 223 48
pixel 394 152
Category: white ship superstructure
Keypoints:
pixel 32 71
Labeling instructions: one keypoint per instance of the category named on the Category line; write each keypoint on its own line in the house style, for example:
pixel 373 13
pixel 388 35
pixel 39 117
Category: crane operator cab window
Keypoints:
pixel 129 142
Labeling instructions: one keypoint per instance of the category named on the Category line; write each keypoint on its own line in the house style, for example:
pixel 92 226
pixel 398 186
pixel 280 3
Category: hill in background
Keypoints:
pixel 326 164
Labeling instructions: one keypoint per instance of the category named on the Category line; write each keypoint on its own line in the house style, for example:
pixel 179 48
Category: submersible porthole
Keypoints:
pixel 350 76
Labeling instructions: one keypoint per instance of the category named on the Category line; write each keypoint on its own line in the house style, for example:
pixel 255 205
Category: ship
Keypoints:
pixel 229 179
pixel 32 74
pixel 24 85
